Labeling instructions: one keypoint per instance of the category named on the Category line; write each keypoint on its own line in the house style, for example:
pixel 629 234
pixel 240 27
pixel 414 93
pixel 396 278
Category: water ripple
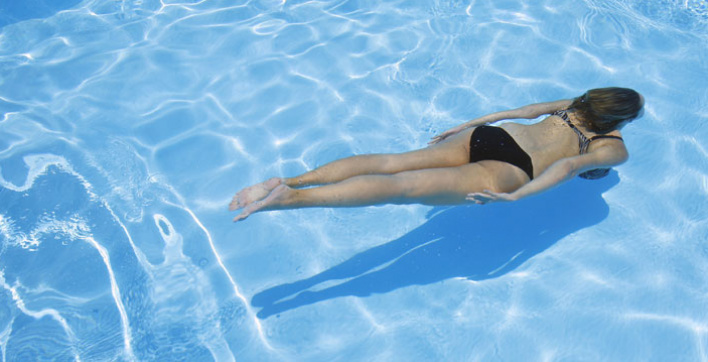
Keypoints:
pixel 126 126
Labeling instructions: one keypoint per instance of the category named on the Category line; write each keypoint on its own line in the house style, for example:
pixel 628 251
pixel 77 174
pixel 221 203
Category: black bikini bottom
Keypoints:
pixel 494 143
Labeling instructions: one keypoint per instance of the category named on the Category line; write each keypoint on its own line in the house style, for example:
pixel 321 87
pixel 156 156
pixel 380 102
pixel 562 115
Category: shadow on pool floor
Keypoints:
pixel 475 242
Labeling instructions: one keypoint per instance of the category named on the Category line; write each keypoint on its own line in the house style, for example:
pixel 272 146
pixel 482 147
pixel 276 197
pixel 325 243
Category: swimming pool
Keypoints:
pixel 127 126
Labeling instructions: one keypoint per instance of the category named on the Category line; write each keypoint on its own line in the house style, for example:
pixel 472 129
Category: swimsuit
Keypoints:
pixel 583 144
pixel 494 143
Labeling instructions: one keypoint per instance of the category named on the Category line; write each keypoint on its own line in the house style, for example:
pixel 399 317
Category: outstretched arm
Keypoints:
pixel 530 111
pixel 559 172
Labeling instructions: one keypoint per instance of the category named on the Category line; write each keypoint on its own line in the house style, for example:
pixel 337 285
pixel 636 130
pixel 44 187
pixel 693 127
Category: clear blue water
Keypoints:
pixel 127 126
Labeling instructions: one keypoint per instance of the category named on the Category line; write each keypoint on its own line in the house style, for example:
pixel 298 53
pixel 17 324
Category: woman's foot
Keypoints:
pixel 277 198
pixel 254 193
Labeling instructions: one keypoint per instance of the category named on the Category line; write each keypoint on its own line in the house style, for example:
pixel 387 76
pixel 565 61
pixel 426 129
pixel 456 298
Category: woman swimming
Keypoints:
pixel 472 162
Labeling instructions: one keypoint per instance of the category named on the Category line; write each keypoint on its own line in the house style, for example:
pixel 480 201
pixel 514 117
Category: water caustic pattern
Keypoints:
pixel 126 126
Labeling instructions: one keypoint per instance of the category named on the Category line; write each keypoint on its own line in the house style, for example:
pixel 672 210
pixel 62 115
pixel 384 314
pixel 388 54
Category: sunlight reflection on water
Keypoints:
pixel 127 125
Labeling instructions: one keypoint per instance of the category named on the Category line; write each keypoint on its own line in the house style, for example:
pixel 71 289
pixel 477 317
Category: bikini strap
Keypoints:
pixel 583 141
pixel 605 136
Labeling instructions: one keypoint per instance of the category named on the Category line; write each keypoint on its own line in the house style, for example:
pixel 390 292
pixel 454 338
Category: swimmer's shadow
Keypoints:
pixel 475 242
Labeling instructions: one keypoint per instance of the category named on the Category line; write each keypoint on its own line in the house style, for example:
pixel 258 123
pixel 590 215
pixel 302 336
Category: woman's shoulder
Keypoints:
pixel 610 145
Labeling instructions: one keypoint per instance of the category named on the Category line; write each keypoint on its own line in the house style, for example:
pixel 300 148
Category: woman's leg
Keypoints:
pixel 378 164
pixel 439 186
pixel 452 153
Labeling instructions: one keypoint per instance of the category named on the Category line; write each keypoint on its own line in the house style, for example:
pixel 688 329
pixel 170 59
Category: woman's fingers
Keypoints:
pixel 440 137
pixel 483 197
pixel 436 139
pixel 477 198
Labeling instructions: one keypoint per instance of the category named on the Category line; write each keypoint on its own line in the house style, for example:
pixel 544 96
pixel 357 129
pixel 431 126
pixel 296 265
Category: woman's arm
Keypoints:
pixel 530 111
pixel 559 172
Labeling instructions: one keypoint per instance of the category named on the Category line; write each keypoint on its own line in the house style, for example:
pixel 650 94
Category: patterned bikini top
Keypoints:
pixel 583 144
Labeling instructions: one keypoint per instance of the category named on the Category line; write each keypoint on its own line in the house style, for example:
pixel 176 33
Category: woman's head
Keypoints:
pixel 604 109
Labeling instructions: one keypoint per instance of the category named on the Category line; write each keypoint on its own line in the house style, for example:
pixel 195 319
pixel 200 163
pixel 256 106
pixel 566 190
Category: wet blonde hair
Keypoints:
pixel 603 109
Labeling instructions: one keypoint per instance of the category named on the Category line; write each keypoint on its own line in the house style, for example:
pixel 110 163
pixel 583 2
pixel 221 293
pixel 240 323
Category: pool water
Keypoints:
pixel 126 126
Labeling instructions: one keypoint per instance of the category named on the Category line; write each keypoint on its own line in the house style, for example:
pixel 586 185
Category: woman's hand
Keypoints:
pixel 487 196
pixel 447 134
